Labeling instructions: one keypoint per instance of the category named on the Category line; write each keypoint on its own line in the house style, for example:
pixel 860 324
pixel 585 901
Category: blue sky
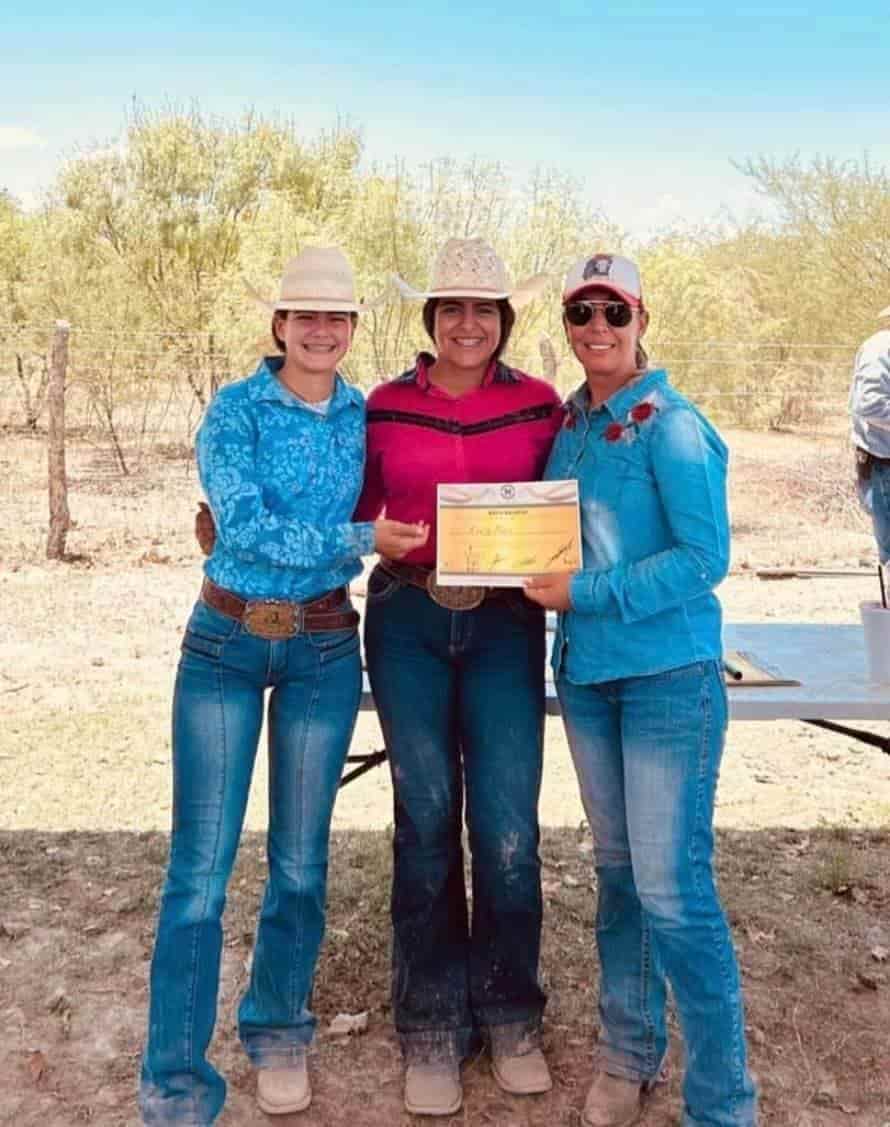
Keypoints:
pixel 647 103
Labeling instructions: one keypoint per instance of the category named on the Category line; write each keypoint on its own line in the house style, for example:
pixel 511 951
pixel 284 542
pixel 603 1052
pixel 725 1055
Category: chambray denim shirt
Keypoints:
pixel 655 533
pixel 282 481
pixel 870 395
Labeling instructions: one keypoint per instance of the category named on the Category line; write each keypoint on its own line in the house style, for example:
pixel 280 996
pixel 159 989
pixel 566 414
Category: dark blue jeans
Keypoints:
pixel 460 695
pixel 217 713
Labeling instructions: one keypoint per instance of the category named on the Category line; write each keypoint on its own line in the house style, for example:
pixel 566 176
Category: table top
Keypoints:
pixel 828 660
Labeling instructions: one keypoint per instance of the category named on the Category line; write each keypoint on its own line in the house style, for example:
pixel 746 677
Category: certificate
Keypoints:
pixel 501 533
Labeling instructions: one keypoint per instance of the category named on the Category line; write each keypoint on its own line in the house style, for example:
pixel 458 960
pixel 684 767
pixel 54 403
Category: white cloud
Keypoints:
pixel 17 137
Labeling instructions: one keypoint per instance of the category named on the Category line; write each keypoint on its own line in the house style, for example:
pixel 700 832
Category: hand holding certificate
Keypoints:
pixel 501 533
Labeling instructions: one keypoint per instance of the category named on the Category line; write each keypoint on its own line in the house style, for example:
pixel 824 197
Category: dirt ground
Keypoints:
pixel 87 654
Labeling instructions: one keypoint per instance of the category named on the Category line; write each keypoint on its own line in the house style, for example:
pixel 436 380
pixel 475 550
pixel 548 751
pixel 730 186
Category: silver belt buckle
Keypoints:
pixel 454 598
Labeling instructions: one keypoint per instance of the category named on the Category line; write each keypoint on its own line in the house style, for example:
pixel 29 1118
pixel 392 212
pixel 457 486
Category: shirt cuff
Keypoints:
pixel 583 591
pixel 363 533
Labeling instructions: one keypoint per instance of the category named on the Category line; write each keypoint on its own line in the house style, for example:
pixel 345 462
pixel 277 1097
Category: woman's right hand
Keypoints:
pixel 395 539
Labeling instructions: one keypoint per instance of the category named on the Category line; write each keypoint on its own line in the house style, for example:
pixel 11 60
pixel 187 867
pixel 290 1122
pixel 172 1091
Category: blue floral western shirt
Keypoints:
pixel 651 474
pixel 282 481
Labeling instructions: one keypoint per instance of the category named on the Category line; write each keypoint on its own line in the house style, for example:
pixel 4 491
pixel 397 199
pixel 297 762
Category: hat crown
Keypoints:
pixel 471 266
pixel 318 272
pixel 613 271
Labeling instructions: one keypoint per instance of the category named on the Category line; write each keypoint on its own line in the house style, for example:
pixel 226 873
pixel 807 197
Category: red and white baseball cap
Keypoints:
pixel 610 271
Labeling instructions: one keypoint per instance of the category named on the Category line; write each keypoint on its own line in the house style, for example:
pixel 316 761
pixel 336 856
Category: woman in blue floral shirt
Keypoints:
pixel 637 665
pixel 281 456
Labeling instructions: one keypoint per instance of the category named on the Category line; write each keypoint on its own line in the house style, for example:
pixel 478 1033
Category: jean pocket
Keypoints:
pixel 207 631
pixel 528 613
pixel 334 644
pixel 381 586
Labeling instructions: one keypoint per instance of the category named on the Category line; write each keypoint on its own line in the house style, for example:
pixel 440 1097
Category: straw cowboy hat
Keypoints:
pixel 318 279
pixel 469 268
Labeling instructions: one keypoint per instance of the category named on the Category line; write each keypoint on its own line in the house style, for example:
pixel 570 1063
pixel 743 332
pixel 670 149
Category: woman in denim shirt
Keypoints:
pixel 637 665
pixel 281 456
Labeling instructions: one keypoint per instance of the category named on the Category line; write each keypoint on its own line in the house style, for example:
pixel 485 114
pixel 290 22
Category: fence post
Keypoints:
pixel 59 517
pixel 548 358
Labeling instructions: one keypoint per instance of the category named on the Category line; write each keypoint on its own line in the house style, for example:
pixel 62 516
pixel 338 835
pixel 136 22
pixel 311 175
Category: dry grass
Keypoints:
pixel 87 651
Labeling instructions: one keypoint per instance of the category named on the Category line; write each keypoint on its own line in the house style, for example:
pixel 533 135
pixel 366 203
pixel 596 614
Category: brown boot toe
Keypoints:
pixel 281 1091
pixel 612 1101
pixel 433 1088
pixel 522 1074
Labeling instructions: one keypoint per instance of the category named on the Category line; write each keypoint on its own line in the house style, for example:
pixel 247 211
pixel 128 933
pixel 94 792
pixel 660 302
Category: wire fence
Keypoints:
pixel 136 391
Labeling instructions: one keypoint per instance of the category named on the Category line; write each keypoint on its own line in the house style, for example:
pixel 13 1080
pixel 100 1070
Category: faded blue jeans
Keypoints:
pixel 878 492
pixel 217 713
pixel 460 696
pixel 647 754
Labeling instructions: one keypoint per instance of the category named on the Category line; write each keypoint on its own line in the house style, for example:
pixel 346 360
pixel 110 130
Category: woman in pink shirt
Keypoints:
pixel 458 679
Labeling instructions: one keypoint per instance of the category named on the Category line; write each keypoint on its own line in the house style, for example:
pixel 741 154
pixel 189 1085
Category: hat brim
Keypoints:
pixel 885 313
pixel 579 292
pixel 519 296
pixel 313 304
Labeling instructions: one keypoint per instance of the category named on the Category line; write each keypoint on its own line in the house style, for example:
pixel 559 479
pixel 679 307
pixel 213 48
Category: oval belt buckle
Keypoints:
pixel 454 598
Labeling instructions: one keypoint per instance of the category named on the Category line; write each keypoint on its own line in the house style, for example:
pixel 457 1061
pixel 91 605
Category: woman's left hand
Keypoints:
pixel 550 591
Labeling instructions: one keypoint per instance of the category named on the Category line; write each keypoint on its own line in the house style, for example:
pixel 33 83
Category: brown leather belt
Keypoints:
pixel 275 619
pixel 866 455
pixel 452 598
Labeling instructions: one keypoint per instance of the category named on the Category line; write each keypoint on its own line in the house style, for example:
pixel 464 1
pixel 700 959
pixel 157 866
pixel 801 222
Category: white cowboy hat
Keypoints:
pixel 470 268
pixel 318 279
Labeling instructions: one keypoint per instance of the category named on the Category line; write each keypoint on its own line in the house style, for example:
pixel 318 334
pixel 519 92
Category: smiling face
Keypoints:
pixel 466 331
pixel 607 353
pixel 314 342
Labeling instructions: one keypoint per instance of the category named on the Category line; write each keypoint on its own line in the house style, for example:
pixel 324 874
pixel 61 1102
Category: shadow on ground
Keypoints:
pixel 810 913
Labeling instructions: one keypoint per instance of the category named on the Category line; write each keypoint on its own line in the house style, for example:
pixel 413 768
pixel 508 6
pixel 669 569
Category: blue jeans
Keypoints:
pixel 879 491
pixel 647 753
pixel 460 695
pixel 217 714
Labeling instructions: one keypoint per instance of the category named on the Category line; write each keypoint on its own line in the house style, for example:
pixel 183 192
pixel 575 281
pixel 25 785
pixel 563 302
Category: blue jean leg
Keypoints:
pixel 633 1037
pixel 671 728
pixel 217 714
pixel 312 714
pixel 880 509
pixel 501 709
pixel 459 698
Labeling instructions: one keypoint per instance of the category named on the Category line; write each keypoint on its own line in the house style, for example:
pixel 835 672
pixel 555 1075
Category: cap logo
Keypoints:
pixel 600 266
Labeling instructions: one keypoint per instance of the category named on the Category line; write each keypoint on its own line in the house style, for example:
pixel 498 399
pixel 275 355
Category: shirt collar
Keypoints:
pixel 496 372
pixel 266 386
pixel 618 404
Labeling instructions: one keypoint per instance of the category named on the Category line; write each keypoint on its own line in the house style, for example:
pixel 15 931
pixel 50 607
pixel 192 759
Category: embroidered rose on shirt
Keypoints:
pixel 628 430
pixel 640 412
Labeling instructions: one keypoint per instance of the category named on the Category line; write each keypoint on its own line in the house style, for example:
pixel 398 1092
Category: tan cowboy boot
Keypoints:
pixel 521 1073
pixel 281 1091
pixel 612 1101
pixel 433 1088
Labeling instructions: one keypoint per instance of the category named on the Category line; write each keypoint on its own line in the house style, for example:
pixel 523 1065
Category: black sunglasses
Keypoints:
pixel 617 313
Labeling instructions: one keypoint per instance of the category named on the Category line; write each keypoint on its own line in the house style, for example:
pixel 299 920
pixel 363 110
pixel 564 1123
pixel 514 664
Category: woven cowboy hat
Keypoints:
pixel 470 268
pixel 318 279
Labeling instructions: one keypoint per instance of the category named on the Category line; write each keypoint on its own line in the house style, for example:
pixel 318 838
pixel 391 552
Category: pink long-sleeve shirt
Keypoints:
pixel 419 436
